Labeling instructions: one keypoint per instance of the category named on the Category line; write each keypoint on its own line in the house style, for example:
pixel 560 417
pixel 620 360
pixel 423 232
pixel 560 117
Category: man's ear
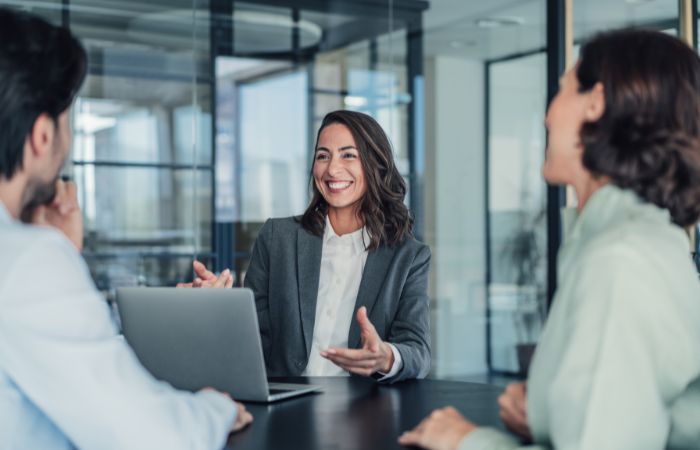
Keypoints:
pixel 41 138
pixel 595 107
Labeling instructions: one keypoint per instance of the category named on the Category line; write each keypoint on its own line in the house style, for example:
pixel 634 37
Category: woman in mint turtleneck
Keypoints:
pixel 618 363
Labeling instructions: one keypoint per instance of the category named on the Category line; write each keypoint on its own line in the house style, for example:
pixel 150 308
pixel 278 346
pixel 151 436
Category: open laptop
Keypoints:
pixel 196 338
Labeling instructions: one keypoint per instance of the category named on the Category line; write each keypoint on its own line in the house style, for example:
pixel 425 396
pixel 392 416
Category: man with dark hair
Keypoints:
pixel 66 379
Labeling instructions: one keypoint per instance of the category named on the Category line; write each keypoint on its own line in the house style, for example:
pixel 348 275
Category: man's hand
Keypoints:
pixel 243 418
pixel 513 403
pixel 63 213
pixel 208 279
pixel 444 429
pixel 374 356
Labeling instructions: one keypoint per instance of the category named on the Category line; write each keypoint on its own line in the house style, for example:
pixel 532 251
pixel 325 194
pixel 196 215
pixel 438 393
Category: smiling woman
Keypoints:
pixel 339 178
pixel 352 148
pixel 351 254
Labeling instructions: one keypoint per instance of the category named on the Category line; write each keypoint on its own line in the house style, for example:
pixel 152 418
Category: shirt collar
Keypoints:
pixel 5 215
pixel 610 205
pixel 359 239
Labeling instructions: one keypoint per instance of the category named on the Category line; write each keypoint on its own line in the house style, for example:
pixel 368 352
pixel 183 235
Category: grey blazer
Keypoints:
pixel 284 275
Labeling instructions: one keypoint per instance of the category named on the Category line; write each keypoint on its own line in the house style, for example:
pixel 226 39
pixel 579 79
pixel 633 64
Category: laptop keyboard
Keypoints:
pixel 278 391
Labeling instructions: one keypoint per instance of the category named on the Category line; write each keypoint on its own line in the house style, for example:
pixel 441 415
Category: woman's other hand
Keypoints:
pixel 207 279
pixel 374 356
pixel 513 403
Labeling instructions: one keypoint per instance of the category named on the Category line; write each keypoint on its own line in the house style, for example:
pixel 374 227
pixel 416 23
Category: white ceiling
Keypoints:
pixel 451 25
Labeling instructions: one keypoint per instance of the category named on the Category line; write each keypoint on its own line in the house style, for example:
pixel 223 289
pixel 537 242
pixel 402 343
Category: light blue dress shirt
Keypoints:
pixel 67 380
pixel 618 363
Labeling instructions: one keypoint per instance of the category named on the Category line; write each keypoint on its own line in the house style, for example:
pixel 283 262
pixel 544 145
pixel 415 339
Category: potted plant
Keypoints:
pixel 523 253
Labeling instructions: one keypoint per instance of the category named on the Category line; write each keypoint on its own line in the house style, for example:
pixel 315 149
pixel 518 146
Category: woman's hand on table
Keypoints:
pixel 513 403
pixel 444 429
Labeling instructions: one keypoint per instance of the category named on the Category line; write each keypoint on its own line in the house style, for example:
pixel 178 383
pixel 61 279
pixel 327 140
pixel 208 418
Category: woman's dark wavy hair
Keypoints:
pixel 386 217
pixel 648 138
pixel 42 66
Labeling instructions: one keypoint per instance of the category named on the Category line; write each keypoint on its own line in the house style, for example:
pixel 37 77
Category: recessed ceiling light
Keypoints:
pixel 355 101
pixel 461 44
pixel 495 22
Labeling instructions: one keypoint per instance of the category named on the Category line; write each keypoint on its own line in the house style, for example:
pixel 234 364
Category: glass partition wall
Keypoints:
pixel 517 203
pixel 279 69
pixel 491 304
pixel 142 154
pixel 485 100
pixel 198 118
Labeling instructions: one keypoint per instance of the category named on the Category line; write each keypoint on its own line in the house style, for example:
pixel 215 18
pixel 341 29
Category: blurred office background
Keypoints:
pixel 198 119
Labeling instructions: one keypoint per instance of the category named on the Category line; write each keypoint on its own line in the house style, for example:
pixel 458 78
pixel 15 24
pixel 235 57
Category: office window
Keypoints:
pixel 485 98
pixel 280 68
pixel 142 154
pixel 591 17
pixel 274 145
pixel 517 231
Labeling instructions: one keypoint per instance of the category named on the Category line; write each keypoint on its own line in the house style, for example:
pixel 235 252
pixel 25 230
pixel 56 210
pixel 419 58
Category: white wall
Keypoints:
pixel 454 199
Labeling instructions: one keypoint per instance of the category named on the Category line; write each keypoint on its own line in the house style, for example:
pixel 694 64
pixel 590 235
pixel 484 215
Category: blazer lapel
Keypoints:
pixel 373 277
pixel 309 249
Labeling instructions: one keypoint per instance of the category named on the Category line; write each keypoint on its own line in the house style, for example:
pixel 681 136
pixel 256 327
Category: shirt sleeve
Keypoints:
pixel 60 347
pixel 484 438
pixel 396 367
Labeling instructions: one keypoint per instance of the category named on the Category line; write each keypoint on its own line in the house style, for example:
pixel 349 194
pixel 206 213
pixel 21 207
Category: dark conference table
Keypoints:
pixel 358 413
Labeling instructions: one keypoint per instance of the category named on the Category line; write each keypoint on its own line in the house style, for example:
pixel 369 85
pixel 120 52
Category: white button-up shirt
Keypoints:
pixel 342 263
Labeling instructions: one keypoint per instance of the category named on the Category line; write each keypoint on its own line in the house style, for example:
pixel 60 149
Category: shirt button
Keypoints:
pixel 328 313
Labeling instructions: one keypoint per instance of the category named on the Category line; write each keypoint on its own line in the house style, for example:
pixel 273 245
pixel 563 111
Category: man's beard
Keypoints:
pixel 37 193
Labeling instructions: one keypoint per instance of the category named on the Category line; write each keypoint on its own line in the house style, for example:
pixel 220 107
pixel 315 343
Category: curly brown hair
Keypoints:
pixel 648 139
pixel 382 208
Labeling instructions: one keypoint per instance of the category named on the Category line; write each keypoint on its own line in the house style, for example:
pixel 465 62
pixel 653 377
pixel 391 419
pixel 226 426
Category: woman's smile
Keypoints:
pixel 337 187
